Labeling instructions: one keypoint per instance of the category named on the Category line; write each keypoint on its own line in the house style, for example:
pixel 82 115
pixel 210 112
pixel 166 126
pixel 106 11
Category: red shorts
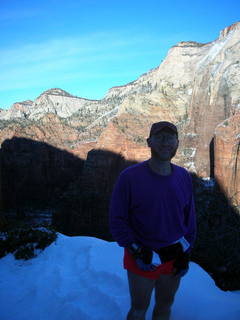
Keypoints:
pixel 130 264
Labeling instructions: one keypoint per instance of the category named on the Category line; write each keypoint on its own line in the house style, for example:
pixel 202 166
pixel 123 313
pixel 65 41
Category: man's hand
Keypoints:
pixel 143 257
pixel 180 273
pixel 145 267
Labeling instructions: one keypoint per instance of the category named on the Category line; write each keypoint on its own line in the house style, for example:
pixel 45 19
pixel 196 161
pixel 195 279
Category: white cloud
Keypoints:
pixel 65 47
pixel 71 57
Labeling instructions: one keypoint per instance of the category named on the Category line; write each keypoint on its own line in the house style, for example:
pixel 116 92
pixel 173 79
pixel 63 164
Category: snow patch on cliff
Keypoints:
pixel 213 51
pixel 208 182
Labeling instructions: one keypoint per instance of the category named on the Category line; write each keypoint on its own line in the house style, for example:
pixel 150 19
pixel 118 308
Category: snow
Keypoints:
pixel 213 51
pixel 82 278
pixel 191 166
pixel 114 111
pixel 191 134
pixel 192 150
pixel 208 182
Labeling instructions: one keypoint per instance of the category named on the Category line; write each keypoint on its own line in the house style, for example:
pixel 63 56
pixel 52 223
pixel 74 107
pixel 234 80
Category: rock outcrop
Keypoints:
pixel 115 140
pixel 35 173
pixel 227 157
pixel 88 116
pixel 19 110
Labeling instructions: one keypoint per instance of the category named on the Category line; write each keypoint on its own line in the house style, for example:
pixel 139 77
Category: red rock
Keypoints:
pixel 114 140
pixel 227 157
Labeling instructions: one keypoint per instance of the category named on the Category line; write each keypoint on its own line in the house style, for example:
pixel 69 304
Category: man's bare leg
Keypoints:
pixel 165 289
pixel 140 291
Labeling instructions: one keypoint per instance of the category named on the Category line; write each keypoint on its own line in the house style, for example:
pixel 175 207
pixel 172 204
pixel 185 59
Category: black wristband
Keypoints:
pixel 135 250
pixel 170 252
pixel 143 253
pixel 182 261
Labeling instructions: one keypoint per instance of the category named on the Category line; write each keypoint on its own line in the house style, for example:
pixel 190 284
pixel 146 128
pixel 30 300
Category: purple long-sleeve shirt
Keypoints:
pixel 151 209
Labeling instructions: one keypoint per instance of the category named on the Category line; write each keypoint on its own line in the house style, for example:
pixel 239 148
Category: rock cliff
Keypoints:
pixel 197 87
pixel 227 157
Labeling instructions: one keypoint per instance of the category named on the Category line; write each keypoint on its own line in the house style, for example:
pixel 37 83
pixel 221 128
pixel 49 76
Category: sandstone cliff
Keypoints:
pixel 227 157
pixel 197 86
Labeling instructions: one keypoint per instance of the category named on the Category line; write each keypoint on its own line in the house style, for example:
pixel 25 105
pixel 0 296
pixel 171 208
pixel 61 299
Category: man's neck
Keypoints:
pixel 160 167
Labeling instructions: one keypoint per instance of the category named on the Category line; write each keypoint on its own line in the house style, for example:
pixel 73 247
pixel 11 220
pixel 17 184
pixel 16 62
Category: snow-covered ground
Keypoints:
pixel 82 278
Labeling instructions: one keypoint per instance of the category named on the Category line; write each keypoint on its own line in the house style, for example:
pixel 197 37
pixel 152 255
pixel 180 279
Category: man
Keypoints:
pixel 152 215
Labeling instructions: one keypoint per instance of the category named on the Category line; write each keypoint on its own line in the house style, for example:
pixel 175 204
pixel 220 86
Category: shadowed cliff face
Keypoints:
pixel 83 208
pixel 218 240
pixel 35 173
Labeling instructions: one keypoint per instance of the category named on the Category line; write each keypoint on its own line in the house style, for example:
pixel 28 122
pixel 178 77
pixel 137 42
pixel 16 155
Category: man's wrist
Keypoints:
pixel 135 249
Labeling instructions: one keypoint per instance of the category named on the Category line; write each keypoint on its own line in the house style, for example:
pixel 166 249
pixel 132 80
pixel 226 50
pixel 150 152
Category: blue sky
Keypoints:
pixel 87 46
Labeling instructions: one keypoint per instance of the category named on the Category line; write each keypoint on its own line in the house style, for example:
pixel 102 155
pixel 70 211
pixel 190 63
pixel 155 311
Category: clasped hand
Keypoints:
pixel 143 257
pixel 145 267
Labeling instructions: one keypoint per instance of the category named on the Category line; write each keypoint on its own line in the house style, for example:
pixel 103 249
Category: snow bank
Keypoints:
pixel 82 278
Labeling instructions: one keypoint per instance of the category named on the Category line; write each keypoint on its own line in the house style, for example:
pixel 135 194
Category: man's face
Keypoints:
pixel 163 144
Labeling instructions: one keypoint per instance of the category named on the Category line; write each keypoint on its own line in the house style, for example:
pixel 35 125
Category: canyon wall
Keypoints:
pixel 197 87
pixel 227 157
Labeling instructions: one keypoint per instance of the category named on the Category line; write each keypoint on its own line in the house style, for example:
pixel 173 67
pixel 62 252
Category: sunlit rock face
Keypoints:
pixel 197 86
pixel 115 140
pixel 215 92
pixel 227 157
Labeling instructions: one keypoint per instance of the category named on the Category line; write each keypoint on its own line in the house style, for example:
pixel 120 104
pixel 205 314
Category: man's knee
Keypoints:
pixel 166 301
pixel 162 309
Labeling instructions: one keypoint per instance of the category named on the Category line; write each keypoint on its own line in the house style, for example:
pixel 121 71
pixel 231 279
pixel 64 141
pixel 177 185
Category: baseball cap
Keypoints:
pixel 157 126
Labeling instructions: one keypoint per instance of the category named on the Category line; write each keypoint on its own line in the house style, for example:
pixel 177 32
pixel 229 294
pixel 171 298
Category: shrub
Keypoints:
pixel 26 242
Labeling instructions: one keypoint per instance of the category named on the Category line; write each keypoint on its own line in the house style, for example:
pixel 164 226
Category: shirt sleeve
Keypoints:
pixel 119 212
pixel 190 216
